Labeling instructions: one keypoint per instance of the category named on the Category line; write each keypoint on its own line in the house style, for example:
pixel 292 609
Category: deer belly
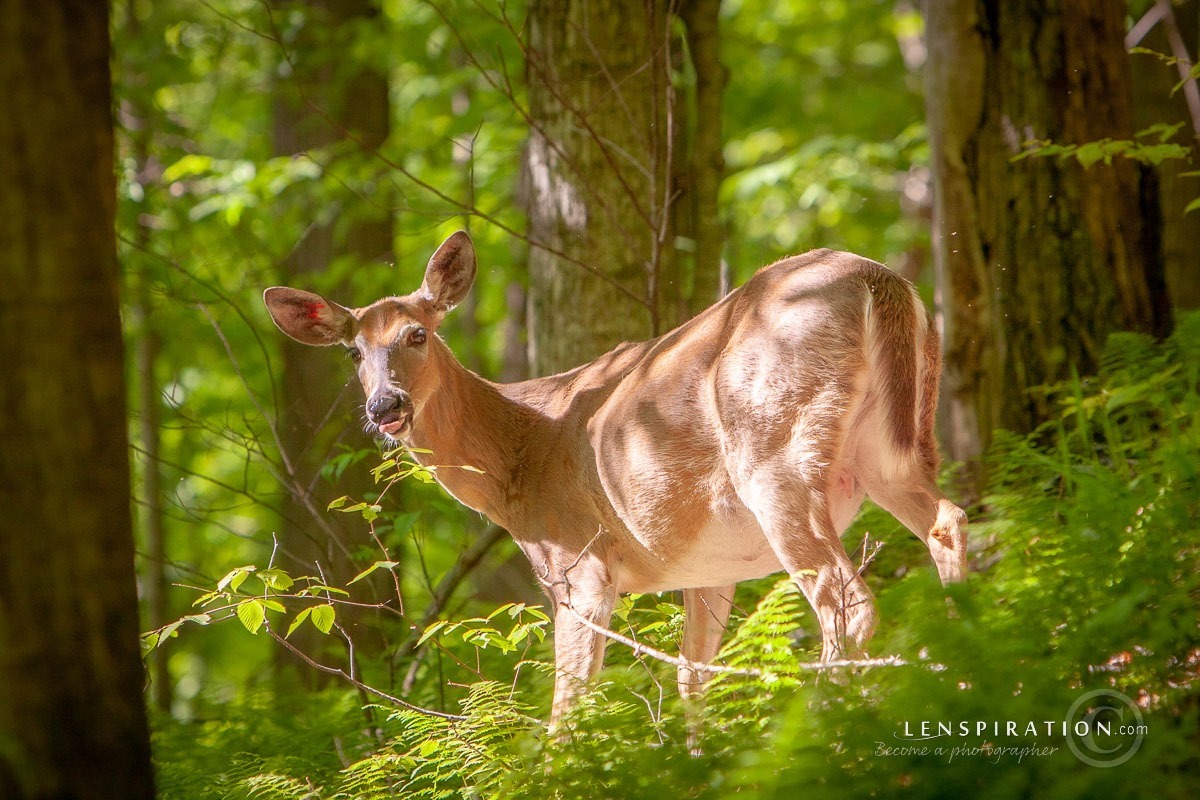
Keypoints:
pixel 728 548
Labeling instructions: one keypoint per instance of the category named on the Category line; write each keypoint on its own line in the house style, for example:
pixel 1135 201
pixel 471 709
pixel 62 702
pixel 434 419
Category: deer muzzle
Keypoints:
pixel 391 411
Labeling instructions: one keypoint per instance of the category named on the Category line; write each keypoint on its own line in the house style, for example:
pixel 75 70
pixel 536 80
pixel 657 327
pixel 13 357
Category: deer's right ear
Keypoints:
pixel 309 318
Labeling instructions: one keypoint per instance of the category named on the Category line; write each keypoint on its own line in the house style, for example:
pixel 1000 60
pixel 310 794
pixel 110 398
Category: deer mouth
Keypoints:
pixel 394 425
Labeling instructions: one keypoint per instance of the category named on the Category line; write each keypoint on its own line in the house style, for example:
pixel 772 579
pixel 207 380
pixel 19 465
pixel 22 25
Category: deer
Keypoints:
pixel 738 445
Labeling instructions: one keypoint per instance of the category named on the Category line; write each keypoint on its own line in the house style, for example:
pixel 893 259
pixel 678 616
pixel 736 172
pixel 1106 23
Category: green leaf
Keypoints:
pixel 369 511
pixel 187 166
pixel 149 641
pixel 276 579
pixel 1163 130
pixel 521 632
pixel 1192 206
pixel 207 598
pixel 169 631
pixel 1093 152
pixel 323 617
pixel 252 614
pixel 233 579
pixel 236 582
pixel 377 472
pixel 423 474
pixel 274 605
pixel 428 748
pixel 388 565
pixel 338 503
pixel 501 610
pixel 431 630
pixel 298 621
pixel 403 523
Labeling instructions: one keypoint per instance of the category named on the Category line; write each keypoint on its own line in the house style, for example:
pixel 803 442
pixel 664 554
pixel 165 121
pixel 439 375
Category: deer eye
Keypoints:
pixel 355 354
pixel 417 336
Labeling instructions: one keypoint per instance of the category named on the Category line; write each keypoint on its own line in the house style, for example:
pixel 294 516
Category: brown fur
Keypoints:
pixel 737 445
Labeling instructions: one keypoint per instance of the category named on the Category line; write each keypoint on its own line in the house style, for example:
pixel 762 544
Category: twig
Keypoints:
pixel 376 153
pixel 640 649
pixel 470 559
pixel 341 673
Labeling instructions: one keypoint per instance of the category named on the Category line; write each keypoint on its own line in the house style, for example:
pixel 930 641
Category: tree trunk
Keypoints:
pixel 1155 102
pixel 321 405
pixel 154 581
pixel 705 149
pixel 72 718
pixel 1039 259
pixel 147 338
pixel 604 177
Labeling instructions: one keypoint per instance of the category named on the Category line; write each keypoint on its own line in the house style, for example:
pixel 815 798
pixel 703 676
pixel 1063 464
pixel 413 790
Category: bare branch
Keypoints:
pixel 341 673
pixel 640 649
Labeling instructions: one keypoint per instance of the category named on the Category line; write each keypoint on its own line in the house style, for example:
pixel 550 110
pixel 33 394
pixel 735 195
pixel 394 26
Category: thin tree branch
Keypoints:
pixel 341 673
pixel 463 566
pixel 640 649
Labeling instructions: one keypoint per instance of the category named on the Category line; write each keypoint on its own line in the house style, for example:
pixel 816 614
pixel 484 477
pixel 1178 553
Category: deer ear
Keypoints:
pixel 309 318
pixel 450 273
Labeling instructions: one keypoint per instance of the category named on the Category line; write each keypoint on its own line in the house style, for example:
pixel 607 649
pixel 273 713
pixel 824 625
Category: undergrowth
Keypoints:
pixel 1085 578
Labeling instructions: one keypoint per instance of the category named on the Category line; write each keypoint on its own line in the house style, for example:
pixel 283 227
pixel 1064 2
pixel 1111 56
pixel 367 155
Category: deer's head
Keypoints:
pixel 390 341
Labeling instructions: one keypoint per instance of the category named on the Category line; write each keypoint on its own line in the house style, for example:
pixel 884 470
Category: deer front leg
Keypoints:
pixel 578 648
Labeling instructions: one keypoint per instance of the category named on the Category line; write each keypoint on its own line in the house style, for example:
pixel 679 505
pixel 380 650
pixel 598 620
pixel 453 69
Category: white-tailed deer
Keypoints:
pixel 739 444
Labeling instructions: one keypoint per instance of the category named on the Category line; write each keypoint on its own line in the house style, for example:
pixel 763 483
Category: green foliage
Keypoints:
pixel 823 120
pixel 1105 150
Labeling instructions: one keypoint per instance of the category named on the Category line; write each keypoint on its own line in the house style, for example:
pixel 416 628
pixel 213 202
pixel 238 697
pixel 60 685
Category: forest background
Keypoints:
pixel 319 619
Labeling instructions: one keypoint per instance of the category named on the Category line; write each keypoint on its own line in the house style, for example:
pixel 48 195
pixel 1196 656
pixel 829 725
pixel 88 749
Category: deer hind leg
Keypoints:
pixel 796 520
pixel 705 614
pixel 913 498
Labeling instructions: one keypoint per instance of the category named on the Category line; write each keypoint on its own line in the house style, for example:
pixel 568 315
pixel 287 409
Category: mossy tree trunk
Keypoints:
pixel 1038 259
pixel 613 155
pixel 72 716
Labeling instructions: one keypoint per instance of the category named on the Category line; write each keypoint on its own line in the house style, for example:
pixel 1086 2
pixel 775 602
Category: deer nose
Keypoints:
pixel 382 405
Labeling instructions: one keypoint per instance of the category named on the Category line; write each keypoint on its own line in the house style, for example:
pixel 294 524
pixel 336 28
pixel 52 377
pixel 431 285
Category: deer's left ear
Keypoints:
pixel 309 318
pixel 450 273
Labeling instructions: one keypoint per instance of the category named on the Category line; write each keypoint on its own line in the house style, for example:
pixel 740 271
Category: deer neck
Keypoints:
pixel 466 421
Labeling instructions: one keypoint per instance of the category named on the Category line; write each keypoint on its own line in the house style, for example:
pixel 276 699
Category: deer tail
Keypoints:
pixel 904 354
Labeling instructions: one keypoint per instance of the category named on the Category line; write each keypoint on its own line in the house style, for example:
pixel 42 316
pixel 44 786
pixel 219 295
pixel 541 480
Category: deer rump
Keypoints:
pixel 786 400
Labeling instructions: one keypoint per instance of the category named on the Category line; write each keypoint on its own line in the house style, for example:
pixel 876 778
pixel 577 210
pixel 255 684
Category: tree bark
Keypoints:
pixel 72 717
pixel 591 160
pixel 1038 259
pixel 605 179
